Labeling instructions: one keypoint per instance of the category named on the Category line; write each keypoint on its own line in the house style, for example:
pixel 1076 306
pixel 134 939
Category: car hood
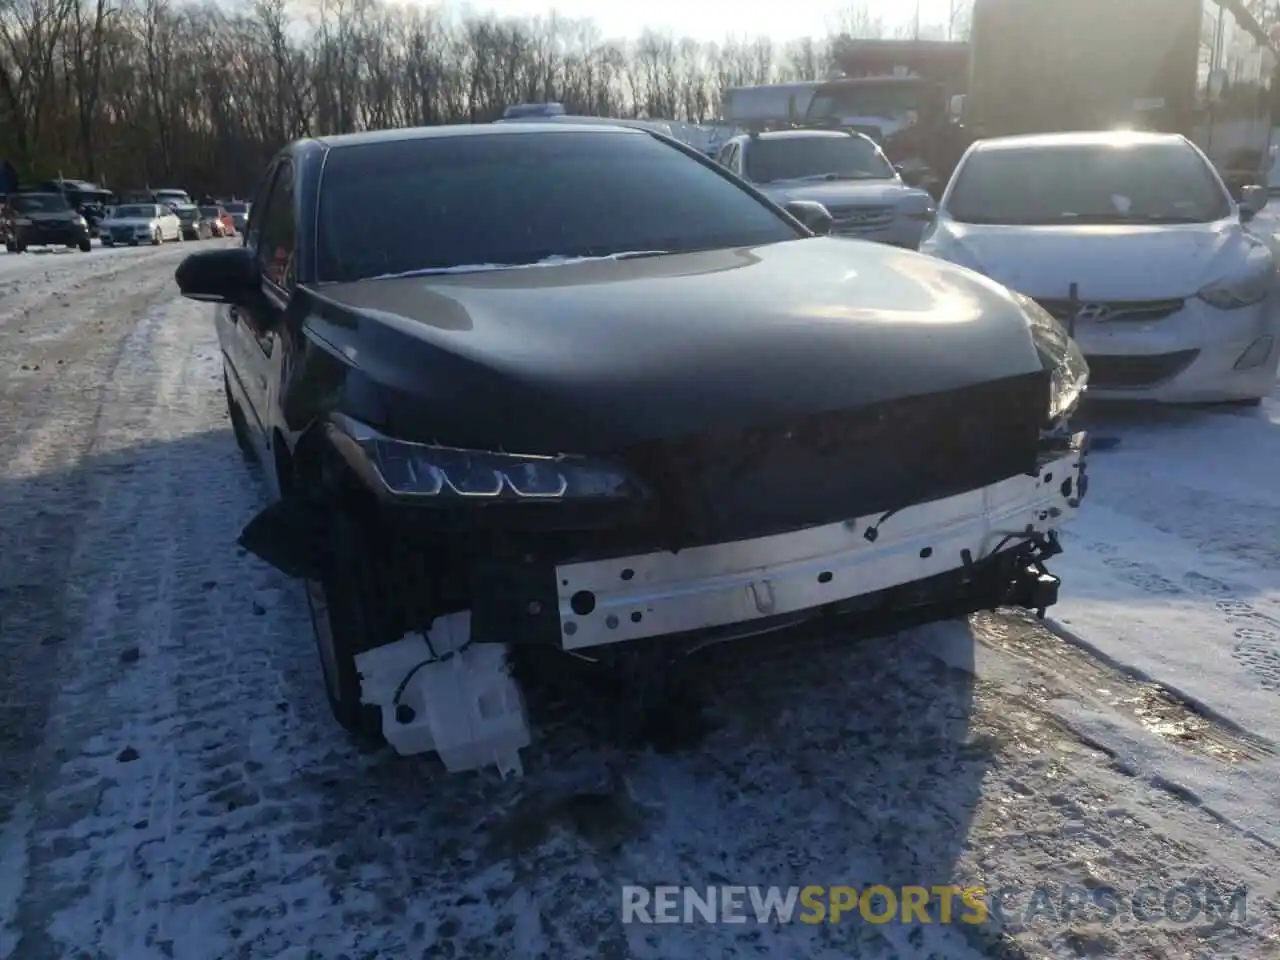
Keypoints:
pixel 593 356
pixel 45 216
pixel 842 193
pixel 1105 262
pixel 131 221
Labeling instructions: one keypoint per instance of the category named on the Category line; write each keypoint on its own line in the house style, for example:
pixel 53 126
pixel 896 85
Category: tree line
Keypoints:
pixel 133 93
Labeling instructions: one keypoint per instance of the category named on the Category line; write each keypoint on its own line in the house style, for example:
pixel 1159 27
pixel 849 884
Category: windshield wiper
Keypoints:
pixel 551 260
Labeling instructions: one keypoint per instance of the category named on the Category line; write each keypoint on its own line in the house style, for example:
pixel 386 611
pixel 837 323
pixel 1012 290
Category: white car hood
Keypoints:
pixel 131 222
pixel 841 193
pixel 1106 262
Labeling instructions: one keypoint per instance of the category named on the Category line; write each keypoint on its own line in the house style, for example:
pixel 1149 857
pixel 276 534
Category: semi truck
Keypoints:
pixel 899 92
pixel 1202 68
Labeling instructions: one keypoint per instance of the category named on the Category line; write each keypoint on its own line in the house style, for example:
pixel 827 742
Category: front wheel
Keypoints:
pixel 239 426
pixel 85 245
pixel 345 620
pixel 157 238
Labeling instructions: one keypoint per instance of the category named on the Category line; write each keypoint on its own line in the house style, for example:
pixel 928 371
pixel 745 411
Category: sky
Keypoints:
pixel 779 19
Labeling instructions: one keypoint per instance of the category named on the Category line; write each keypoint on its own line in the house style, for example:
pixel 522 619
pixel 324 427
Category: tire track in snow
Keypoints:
pixel 1066 669
pixel 1257 633
pixel 46 430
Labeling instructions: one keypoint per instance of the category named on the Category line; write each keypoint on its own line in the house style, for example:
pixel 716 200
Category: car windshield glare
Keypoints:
pixel 1088 183
pixel 523 198
pixel 41 203
pixel 835 158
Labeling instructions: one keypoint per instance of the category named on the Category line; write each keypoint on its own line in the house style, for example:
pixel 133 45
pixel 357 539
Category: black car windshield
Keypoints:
pixel 236 208
pixel 188 213
pixel 40 203
pixel 834 158
pixel 134 213
pixel 887 101
pixel 209 212
pixel 521 198
pixel 1088 183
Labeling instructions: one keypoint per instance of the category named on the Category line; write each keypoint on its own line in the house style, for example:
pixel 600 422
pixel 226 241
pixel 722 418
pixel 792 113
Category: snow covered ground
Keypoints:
pixel 172 786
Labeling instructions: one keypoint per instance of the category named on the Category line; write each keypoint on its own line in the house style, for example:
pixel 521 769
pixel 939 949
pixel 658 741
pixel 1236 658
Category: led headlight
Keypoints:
pixel 1244 288
pixel 1069 373
pixel 428 470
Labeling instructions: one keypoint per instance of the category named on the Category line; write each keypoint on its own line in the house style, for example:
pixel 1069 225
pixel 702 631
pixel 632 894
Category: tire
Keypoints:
pixel 343 606
pixel 108 243
pixel 239 426
pixel 157 238
pixel 11 246
pixel 85 245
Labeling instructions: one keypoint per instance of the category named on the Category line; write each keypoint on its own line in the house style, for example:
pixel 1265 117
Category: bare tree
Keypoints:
pixel 199 94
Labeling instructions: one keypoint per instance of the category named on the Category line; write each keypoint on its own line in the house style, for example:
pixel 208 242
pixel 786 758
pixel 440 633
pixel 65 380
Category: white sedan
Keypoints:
pixel 1134 243
pixel 135 223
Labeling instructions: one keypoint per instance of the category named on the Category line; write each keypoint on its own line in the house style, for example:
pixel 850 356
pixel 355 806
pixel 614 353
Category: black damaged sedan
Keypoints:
pixel 578 389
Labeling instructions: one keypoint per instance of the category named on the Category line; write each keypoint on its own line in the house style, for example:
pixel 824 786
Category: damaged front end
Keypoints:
pixel 887 516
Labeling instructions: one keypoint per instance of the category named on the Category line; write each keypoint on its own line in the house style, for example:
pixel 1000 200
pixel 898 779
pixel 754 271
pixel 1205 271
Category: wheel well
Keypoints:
pixel 283 462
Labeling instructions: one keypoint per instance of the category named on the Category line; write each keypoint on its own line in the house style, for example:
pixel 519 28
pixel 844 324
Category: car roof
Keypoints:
pixel 506 127
pixel 1088 138
pixel 800 135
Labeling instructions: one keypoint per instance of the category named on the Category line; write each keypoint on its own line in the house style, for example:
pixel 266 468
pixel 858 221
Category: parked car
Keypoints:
pixel 239 211
pixel 1133 241
pixel 87 199
pixel 613 436
pixel 845 172
pixel 220 222
pixel 43 219
pixel 135 223
pixel 194 226
pixel 172 198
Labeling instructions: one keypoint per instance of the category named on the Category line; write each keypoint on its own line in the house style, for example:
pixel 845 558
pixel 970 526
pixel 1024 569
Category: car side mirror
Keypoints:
pixel 812 214
pixel 913 177
pixel 1252 200
pixel 220 276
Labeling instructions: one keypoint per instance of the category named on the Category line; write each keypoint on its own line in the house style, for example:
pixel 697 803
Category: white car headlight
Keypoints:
pixel 1060 355
pixel 1240 290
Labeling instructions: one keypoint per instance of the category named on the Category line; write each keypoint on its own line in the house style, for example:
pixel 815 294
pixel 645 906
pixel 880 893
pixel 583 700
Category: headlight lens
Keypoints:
pixel 1236 292
pixel 1060 355
pixel 429 470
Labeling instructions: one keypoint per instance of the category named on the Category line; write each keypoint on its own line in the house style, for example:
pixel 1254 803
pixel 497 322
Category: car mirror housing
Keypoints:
pixel 1253 198
pixel 220 276
pixel 812 214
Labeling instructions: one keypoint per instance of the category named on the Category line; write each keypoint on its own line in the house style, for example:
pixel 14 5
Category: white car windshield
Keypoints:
pixel 134 213
pixel 819 158
pixel 1087 183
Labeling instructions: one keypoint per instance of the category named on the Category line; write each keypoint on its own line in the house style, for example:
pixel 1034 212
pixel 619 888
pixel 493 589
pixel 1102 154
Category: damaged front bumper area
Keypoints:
pixel 971 535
